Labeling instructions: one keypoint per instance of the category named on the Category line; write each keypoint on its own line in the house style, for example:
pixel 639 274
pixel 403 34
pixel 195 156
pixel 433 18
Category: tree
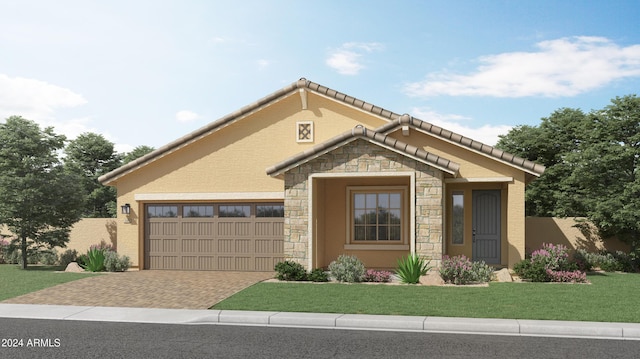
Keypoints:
pixel 136 153
pixel 39 201
pixel 592 165
pixel 91 156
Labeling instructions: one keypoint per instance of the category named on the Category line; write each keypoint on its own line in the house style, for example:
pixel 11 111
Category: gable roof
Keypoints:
pixel 527 166
pixel 395 121
pixel 373 136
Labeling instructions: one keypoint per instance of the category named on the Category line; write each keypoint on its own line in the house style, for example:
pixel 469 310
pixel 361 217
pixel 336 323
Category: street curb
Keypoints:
pixel 490 326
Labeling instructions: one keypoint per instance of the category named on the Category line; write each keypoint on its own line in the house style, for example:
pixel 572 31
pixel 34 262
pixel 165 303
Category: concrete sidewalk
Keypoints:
pixel 516 327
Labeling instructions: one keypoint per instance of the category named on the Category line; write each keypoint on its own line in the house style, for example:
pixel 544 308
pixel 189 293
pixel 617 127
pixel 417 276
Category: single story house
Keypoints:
pixel 308 173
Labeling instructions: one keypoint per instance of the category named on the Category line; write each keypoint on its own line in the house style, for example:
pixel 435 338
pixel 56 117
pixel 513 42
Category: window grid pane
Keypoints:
pixel 377 216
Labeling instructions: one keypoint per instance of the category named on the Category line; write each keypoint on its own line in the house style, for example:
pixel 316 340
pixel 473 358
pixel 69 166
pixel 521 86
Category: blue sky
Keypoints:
pixel 148 72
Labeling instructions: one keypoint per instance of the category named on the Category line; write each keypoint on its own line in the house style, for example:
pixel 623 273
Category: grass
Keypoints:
pixel 612 297
pixel 15 281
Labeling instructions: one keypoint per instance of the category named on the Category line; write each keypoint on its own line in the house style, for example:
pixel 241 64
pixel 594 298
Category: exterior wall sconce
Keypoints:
pixel 126 209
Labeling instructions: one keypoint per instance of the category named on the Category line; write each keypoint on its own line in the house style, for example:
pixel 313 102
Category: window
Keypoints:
pixel 234 211
pixel 162 211
pixel 457 218
pixel 377 215
pixel 197 211
pixel 304 131
pixel 276 210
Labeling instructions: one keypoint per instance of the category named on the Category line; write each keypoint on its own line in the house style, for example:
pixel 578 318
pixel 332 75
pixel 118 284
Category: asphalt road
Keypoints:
pixel 35 338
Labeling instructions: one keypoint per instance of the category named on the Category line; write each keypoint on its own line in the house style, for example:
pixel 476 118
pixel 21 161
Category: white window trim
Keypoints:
pixel 221 196
pixel 412 206
pixel 311 132
pixel 378 243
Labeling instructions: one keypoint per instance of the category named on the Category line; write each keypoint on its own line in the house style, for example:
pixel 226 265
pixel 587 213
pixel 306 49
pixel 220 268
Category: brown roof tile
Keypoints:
pixel 375 137
pixel 396 121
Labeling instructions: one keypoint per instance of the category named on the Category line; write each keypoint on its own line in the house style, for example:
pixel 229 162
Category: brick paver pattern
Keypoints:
pixel 147 289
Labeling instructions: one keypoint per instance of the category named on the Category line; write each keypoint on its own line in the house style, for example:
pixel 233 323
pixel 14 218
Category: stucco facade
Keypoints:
pixel 345 143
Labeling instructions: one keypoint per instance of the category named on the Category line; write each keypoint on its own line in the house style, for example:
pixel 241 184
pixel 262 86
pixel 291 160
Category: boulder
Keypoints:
pixel 74 268
pixel 432 278
pixel 503 275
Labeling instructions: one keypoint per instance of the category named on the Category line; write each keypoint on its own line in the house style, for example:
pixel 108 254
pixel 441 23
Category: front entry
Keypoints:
pixel 486 226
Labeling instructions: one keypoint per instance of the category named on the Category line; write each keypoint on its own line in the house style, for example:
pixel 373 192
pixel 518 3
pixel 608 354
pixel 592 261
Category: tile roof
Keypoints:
pixel 378 138
pixel 305 84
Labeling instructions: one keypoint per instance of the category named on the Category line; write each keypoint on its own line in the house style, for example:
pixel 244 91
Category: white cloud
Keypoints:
pixel 34 99
pixel 347 59
pixel 561 67
pixel 262 64
pixel 487 134
pixel 186 116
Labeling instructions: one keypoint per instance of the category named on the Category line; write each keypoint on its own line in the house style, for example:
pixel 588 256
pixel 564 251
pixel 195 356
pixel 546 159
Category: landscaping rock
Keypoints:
pixel 74 268
pixel 503 275
pixel 431 278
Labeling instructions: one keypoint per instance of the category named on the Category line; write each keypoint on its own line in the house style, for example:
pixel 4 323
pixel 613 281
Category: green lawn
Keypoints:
pixel 15 281
pixel 612 297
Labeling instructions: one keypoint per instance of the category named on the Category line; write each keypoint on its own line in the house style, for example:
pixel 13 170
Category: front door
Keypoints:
pixel 486 226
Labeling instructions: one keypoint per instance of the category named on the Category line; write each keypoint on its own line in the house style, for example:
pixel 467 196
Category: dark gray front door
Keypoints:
pixel 486 226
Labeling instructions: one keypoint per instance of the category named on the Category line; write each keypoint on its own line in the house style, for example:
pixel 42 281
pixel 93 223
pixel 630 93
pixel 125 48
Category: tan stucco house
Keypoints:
pixel 309 173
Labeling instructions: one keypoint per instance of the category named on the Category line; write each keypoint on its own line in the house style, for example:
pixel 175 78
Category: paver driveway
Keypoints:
pixel 147 289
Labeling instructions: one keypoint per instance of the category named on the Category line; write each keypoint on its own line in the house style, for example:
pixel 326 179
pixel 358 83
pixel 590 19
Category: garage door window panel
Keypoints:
pixel 270 211
pixel 230 211
pixel 197 211
pixel 162 211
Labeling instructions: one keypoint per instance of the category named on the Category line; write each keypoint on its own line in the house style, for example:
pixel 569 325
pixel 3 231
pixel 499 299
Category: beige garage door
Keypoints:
pixel 214 236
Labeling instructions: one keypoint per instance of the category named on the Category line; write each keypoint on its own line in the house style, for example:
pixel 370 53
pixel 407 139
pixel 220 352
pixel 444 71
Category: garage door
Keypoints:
pixel 214 236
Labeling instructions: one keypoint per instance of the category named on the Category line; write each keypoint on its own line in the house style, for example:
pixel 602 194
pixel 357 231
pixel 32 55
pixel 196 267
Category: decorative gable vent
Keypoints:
pixel 304 131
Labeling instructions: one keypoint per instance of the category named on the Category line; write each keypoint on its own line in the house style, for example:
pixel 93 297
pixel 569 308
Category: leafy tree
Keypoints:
pixel 136 153
pixel 592 165
pixel 91 156
pixel 39 201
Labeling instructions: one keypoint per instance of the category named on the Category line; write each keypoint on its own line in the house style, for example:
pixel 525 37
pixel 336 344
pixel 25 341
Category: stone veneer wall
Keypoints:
pixel 362 156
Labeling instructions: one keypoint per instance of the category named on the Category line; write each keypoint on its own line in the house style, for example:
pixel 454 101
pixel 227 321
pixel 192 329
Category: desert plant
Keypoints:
pixel 411 268
pixel 115 263
pixel 95 260
pixel 318 275
pixel 68 256
pixel 347 268
pixel 376 276
pixel 290 270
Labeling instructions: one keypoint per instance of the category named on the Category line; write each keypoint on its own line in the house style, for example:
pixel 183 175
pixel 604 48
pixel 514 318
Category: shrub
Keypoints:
pixel 347 269
pixel 567 276
pixel 318 275
pixel 460 270
pixel 606 261
pixel 68 256
pixel 376 276
pixel 4 250
pixel 583 259
pixel 549 264
pixel 14 256
pixel 95 260
pixel 115 263
pixel 48 257
pixel 290 270
pixel 411 268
